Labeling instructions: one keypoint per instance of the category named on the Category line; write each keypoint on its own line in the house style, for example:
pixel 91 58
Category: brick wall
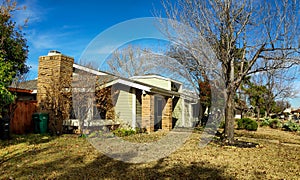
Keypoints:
pixel 148 112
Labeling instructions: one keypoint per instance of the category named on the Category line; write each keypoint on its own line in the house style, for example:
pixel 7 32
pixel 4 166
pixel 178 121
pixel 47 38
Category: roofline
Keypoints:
pixel 154 76
pixel 20 90
pixel 129 83
pixel 89 70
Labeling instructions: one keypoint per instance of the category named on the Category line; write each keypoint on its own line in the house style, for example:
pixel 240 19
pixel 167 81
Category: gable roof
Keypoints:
pixel 142 86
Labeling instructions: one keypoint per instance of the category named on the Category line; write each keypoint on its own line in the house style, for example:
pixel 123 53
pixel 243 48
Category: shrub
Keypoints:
pixel 275 123
pixel 121 132
pixel 291 126
pixel 265 122
pixel 248 124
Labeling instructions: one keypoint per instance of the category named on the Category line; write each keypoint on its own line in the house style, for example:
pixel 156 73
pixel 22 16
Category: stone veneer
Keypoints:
pixel 54 72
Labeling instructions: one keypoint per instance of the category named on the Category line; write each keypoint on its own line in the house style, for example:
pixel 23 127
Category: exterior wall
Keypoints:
pixel 156 82
pixel 177 114
pixel 123 107
pixel 184 113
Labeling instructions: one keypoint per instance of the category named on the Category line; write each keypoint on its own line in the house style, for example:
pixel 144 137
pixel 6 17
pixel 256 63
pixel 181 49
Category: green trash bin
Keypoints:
pixel 40 121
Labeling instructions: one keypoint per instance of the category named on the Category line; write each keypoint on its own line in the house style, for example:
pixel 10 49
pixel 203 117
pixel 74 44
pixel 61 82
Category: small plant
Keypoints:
pixel 140 130
pixel 248 124
pixel 291 126
pixel 275 123
pixel 121 132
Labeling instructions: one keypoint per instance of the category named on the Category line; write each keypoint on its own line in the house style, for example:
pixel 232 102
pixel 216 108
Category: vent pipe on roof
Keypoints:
pixel 53 52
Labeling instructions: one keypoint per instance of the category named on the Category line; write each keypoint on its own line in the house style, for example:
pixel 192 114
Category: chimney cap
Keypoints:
pixel 54 52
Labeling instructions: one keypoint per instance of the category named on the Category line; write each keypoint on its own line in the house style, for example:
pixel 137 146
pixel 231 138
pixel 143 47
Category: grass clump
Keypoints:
pixel 248 124
pixel 291 126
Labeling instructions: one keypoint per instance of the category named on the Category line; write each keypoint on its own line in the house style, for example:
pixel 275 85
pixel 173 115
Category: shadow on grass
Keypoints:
pixel 58 160
pixel 103 167
pixel 28 138
pixel 106 168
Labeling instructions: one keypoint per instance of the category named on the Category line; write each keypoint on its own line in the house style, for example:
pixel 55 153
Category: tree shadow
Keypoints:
pixel 62 164
pixel 28 138
pixel 107 168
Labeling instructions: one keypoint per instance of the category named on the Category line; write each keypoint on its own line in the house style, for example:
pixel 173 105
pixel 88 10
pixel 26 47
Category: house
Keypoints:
pixel 296 114
pixel 150 101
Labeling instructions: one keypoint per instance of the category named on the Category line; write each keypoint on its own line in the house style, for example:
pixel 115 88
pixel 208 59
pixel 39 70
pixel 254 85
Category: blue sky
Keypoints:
pixel 70 25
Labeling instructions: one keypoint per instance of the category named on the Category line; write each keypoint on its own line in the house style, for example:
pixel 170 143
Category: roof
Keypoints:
pixel 89 70
pixel 295 111
pixel 26 85
pixel 142 86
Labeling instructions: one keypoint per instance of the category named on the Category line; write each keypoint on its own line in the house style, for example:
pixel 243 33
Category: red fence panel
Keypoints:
pixel 21 122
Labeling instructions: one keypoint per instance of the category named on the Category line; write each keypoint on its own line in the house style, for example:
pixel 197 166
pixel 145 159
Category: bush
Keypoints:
pixel 275 123
pixel 291 126
pixel 248 124
pixel 121 132
pixel 265 122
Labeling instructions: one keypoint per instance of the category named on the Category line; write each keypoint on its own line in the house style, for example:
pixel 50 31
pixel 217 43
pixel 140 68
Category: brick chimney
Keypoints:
pixel 54 77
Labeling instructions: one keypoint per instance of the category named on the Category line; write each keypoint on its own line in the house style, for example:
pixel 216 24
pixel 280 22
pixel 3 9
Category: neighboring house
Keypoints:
pixel 151 101
pixel 296 114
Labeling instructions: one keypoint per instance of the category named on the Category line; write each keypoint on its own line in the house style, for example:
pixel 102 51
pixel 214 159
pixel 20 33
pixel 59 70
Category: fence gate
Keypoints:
pixel 22 122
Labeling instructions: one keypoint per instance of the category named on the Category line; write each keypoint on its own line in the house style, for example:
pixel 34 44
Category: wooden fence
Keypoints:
pixel 22 122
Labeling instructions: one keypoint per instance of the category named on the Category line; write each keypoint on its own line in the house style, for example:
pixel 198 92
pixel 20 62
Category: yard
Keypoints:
pixel 70 157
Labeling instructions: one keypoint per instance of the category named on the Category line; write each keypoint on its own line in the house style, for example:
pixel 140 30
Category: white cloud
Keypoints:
pixel 32 12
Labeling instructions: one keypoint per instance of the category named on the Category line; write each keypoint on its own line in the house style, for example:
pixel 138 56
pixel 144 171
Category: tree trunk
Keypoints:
pixel 229 119
pixel 257 113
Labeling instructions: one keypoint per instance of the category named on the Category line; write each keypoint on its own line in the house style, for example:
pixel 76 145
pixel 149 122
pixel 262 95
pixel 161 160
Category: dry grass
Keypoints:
pixel 70 157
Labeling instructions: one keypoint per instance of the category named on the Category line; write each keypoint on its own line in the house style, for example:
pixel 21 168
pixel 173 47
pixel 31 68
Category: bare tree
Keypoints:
pixel 280 85
pixel 131 61
pixel 282 105
pixel 263 30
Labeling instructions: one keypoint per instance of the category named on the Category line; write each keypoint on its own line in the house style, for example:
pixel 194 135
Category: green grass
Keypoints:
pixel 70 157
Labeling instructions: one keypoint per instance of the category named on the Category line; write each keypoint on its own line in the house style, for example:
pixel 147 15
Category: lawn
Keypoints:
pixel 70 157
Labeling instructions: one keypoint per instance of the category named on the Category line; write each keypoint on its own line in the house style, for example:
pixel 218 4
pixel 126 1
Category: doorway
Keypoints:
pixel 158 111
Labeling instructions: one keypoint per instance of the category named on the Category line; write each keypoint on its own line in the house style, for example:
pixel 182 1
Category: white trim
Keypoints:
pixel 155 76
pixel 130 84
pixel 133 123
pixel 182 113
pixel 89 70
